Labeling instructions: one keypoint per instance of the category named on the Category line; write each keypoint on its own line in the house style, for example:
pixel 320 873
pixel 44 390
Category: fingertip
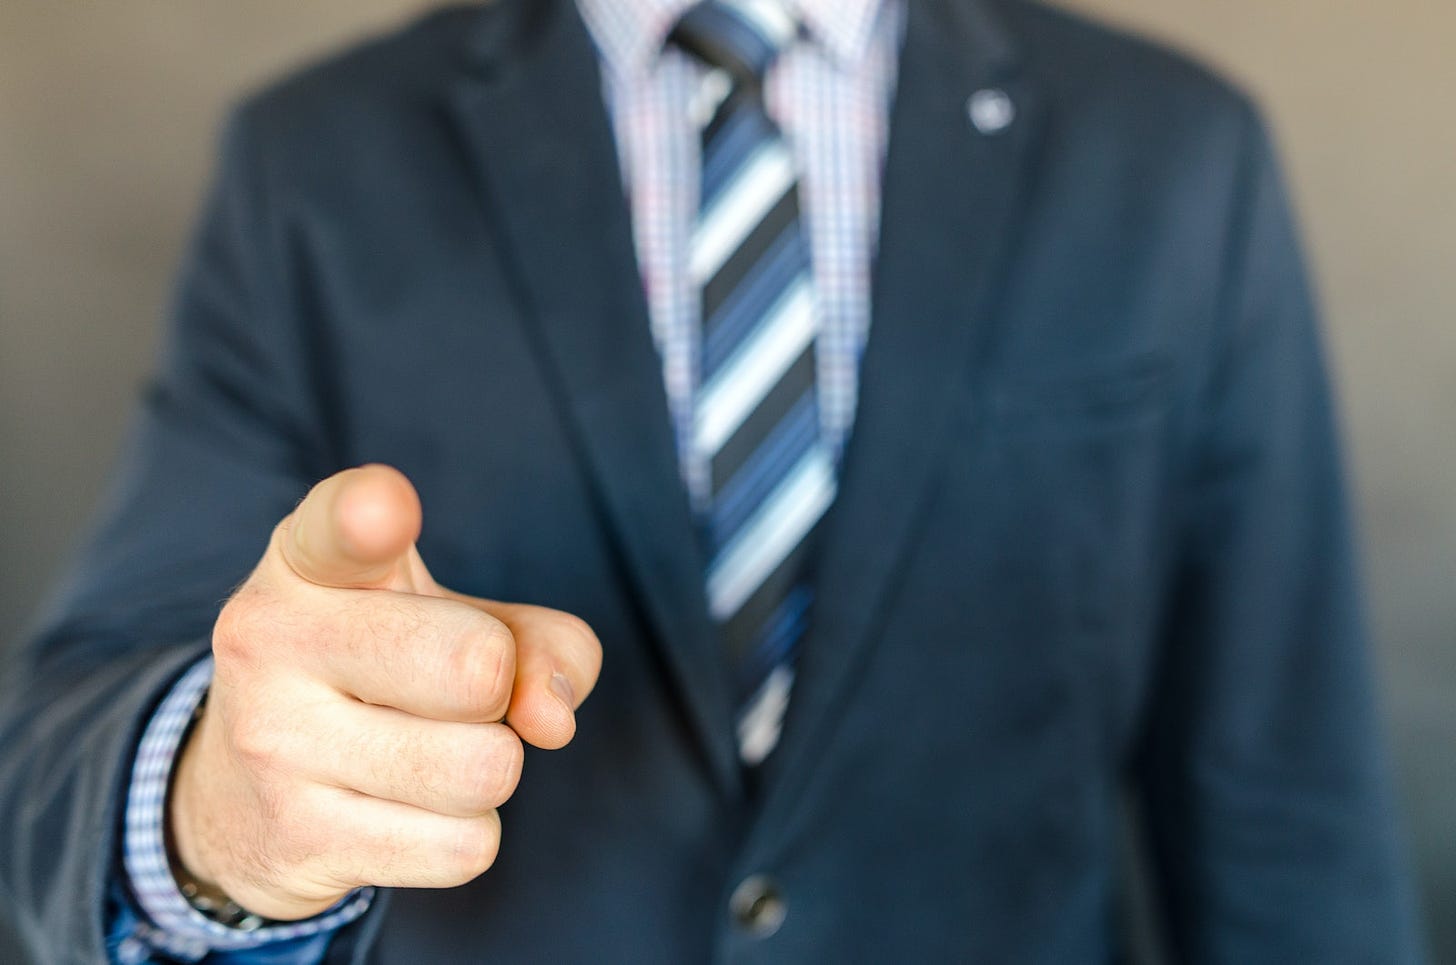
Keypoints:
pixel 545 718
pixel 376 513
pixel 353 527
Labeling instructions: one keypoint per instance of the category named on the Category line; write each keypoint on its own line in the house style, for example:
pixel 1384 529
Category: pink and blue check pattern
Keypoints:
pixel 830 96
pixel 167 923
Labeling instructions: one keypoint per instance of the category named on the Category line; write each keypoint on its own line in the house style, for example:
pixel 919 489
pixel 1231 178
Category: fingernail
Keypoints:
pixel 562 688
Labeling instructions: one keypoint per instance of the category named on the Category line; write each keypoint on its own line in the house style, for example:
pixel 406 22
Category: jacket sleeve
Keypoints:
pixel 228 439
pixel 1263 782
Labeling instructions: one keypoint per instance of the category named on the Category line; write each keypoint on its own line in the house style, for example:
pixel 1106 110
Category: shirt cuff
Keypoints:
pixel 168 923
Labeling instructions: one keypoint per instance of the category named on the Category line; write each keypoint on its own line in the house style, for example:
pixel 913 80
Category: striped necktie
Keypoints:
pixel 771 477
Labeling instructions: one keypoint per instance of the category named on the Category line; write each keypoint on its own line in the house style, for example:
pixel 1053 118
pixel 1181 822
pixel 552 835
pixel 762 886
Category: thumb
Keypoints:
pixel 356 529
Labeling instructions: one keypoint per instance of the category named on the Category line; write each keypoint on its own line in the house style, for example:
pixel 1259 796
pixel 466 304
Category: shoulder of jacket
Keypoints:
pixel 1089 62
pixel 375 76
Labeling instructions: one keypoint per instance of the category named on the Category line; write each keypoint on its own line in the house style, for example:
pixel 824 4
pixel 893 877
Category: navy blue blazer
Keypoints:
pixel 1091 534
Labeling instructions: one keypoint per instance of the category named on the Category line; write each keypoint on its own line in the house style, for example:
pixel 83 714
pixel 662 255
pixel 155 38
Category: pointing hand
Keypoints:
pixel 364 723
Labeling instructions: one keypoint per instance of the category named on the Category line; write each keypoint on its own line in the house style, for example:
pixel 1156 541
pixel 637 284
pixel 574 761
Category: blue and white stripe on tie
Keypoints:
pixel 755 414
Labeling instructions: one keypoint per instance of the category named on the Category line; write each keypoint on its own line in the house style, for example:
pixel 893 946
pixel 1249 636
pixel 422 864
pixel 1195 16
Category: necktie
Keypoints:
pixel 755 415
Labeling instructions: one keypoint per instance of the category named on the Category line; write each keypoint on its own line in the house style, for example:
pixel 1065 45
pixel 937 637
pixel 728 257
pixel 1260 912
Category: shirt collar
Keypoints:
pixel 842 27
pixel 631 33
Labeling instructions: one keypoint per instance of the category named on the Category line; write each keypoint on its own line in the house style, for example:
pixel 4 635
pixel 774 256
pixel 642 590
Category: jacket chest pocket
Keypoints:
pixel 1099 390
pixel 1082 459
pixel 1078 465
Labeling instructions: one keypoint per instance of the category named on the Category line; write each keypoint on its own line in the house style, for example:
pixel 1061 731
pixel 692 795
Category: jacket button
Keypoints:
pixel 991 110
pixel 758 906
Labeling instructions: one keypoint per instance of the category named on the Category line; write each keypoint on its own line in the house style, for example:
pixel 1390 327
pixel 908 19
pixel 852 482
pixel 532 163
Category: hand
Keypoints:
pixel 364 723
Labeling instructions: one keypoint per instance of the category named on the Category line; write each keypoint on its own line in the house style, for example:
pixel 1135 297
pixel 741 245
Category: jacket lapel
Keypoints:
pixel 950 194
pixel 533 118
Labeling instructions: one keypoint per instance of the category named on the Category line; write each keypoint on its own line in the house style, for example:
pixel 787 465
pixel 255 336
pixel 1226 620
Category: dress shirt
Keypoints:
pixel 830 94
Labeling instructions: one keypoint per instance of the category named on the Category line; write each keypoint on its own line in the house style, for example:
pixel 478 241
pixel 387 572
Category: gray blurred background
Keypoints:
pixel 107 117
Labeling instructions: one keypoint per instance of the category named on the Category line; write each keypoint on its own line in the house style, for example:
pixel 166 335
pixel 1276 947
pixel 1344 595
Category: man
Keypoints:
pixel 915 409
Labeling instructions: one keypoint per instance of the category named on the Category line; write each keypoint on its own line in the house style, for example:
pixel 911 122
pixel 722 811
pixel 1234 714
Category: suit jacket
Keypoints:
pixel 1091 533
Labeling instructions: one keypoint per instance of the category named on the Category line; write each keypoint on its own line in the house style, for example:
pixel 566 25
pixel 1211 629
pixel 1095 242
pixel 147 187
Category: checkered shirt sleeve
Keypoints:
pixel 165 924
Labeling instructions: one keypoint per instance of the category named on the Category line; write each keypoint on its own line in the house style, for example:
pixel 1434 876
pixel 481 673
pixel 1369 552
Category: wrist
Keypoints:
pixel 213 903
pixel 203 893
pixel 181 830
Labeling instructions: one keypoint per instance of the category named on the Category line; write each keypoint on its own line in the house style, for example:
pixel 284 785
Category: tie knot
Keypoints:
pixel 741 37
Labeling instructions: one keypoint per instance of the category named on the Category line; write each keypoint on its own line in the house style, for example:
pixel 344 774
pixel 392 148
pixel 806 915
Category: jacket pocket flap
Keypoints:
pixel 1101 386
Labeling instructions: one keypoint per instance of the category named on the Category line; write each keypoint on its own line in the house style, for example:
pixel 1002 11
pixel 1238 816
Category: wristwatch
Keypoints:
pixel 216 906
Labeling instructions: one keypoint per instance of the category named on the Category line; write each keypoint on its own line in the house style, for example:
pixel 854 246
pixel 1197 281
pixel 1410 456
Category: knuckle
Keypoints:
pixel 481 667
pixel 235 633
pixel 474 847
pixel 272 732
pixel 258 623
pixel 254 741
pixel 489 773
